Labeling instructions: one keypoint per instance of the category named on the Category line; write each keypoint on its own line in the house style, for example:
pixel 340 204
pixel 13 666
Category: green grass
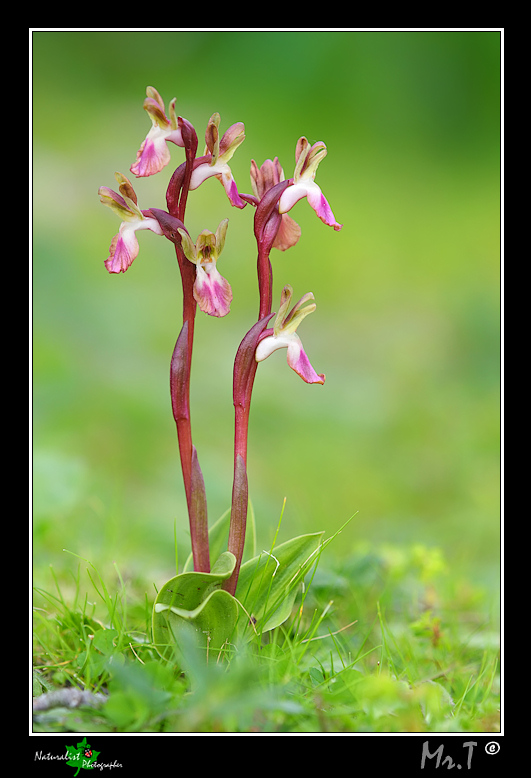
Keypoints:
pixel 387 640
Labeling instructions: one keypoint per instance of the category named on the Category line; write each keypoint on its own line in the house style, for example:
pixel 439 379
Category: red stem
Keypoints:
pixel 182 364
pixel 265 281
pixel 245 366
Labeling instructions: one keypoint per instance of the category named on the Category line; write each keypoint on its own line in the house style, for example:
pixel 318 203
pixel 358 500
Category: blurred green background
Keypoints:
pixel 405 431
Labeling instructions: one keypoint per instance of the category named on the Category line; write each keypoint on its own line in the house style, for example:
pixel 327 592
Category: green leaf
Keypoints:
pixel 194 602
pixel 267 584
pixel 104 641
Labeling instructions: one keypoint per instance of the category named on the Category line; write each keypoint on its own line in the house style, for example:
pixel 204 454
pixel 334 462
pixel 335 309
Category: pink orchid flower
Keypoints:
pixel 154 154
pixel 307 161
pixel 217 156
pixel 124 246
pixel 284 335
pixel 262 180
pixel 211 291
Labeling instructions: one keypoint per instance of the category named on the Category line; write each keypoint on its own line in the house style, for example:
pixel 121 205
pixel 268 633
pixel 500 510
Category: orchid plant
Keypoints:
pixel 211 598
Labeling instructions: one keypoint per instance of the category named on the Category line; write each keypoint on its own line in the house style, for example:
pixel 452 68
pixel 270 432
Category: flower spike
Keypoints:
pixel 211 291
pixel 153 154
pixel 284 335
pixel 307 161
pixel 124 246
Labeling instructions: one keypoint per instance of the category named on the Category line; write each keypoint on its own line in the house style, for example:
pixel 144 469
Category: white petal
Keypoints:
pixel 292 195
pixel 272 343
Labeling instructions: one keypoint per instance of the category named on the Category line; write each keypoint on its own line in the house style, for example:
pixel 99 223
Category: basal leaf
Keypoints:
pixel 195 602
pixel 267 584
